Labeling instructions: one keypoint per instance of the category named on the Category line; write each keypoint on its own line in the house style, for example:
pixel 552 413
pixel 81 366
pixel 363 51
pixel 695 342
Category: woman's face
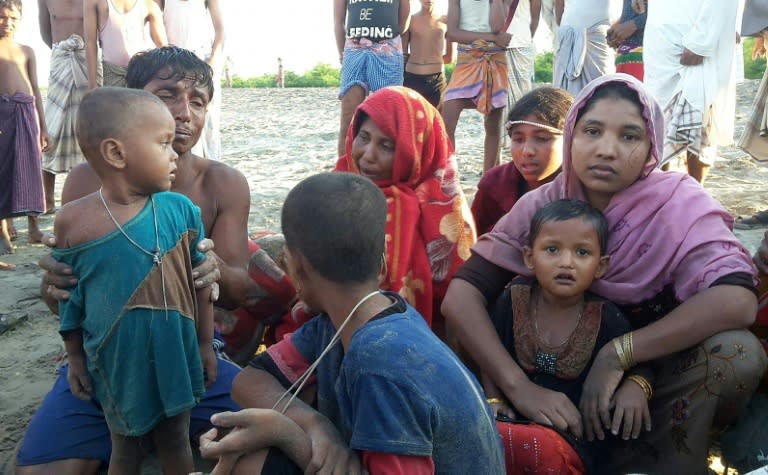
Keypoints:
pixel 373 152
pixel 537 153
pixel 610 149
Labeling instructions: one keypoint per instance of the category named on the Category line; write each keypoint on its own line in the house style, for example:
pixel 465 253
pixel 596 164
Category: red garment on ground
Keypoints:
pixel 533 449
pixel 429 226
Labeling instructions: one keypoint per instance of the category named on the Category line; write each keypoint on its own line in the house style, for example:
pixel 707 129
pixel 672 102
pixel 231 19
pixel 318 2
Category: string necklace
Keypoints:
pixel 298 385
pixel 155 254
pixel 546 361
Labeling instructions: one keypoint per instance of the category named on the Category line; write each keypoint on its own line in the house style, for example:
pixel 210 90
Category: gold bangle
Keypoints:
pixel 495 400
pixel 644 384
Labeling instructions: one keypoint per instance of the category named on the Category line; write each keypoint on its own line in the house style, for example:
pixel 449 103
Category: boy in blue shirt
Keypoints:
pixel 391 397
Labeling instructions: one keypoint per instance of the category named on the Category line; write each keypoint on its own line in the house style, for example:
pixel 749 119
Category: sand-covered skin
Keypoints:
pixel 276 138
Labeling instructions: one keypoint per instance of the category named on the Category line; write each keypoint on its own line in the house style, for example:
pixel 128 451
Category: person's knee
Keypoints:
pixel 741 351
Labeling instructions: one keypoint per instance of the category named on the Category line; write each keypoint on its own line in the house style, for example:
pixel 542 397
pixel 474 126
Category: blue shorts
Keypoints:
pixel 65 427
pixel 371 66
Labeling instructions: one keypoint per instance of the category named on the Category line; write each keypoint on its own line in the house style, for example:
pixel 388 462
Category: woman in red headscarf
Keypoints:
pixel 398 140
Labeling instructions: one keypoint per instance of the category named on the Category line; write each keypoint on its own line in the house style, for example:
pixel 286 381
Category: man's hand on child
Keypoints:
pixel 78 378
pixel 45 141
pixel 630 410
pixel 58 276
pixel 210 365
pixel 207 272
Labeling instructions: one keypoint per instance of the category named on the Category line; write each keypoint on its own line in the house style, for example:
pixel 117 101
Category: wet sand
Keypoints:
pixel 276 138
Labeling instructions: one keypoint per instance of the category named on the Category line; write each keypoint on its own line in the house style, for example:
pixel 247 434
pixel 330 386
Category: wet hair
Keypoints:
pixel 146 66
pixel 565 209
pixel 11 4
pixel 611 90
pixel 105 112
pixel 337 222
pixel 548 104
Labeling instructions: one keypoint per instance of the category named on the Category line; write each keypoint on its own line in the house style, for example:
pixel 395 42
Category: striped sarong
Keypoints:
pixel 114 75
pixel 371 65
pixel 519 72
pixel 582 55
pixel 754 139
pixel 481 75
pixel 688 130
pixel 21 178
pixel 67 84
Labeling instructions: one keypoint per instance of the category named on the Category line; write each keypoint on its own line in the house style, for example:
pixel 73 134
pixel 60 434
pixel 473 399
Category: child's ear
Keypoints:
pixel 528 257
pixel 602 266
pixel 113 152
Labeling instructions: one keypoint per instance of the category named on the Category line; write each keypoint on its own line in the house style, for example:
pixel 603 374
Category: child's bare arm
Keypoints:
pixel 90 30
pixel 156 26
pixel 77 373
pixel 339 24
pixel 32 75
pixel 219 34
pixel 205 334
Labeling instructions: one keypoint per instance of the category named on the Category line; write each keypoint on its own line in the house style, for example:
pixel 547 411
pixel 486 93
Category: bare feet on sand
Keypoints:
pixel 5 239
pixel 35 235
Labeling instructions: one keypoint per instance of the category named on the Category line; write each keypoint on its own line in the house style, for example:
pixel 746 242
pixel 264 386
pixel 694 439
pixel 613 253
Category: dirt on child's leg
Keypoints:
pixel 127 454
pixel 171 438
pixel 35 235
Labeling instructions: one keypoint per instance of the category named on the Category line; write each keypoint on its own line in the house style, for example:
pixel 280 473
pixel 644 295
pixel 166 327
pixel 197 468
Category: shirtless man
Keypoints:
pixel 426 51
pixel 69 436
pixel 118 26
pixel 22 132
pixel 61 26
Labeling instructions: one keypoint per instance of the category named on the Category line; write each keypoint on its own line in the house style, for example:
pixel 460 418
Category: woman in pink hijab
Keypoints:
pixel 683 280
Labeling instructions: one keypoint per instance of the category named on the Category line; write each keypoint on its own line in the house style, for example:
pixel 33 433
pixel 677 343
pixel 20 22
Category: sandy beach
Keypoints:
pixel 276 138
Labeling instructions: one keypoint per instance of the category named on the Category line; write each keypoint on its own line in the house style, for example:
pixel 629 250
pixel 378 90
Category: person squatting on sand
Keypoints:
pixel 70 436
pixel 535 127
pixel 23 135
pixel 370 51
pixel 389 396
pixel 145 352
pixel 552 326
pixel 397 139
pixel 677 272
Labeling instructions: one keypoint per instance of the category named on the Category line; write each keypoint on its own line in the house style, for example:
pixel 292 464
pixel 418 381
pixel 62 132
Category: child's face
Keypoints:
pixel 187 102
pixel 150 158
pixel 610 148
pixel 373 152
pixel 536 152
pixel 565 257
pixel 9 19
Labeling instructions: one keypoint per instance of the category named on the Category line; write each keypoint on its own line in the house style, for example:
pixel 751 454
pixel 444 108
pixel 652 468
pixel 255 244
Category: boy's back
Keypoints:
pixel 401 390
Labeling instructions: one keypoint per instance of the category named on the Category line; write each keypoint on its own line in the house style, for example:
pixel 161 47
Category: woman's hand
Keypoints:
pixel 547 407
pixel 502 409
pixel 631 408
pixel 603 379
pixel 207 272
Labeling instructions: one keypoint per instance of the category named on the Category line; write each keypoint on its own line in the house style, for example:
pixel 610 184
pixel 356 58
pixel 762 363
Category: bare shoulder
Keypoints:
pixel 81 181
pixel 226 182
pixel 71 223
pixel 28 51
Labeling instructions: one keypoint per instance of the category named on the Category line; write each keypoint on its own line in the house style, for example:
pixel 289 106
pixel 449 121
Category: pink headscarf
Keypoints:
pixel 664 228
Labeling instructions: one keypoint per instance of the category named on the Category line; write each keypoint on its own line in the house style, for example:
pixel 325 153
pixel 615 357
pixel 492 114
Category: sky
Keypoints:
pixel 258 32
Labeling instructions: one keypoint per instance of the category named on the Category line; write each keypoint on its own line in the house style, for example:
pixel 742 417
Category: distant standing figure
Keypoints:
pixel 688 54
pixel 61 26
pixel 521 53
pixel 582 53
pixel 198 25
pixel 22 132
pixel 118 27
pixel 626 37
pixel 280 78
pixel 426 51
pixel 479 80
pixel 370 51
